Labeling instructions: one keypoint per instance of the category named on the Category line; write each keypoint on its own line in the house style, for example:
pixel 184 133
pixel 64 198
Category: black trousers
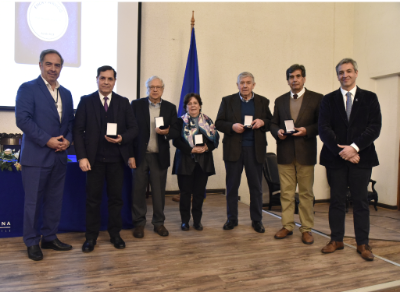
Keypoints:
pixel 113 174
pixel 234 171
pixel 356 179
pixel 195 184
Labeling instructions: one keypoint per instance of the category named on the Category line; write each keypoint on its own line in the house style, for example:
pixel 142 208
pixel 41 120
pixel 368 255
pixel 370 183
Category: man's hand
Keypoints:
pixel 64 145
pixel 162 132
pixel 199 149
pixel 53 143
pixel 257 123
pixel 301 131
pixel 238 128
pixel 132 162
pixel 84 165
pixel 280 134
pixel 355 159
pixel 347 152
pixel 111 140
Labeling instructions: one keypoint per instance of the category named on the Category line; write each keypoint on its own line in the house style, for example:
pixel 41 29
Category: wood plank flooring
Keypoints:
pixel 210 260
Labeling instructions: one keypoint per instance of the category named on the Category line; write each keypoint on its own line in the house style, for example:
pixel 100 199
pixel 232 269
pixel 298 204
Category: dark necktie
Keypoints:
pixel 105 103
pixel 295 96
pixel 349 104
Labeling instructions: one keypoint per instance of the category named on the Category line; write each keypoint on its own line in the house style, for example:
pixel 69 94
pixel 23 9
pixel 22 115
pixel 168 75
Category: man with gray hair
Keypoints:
pixel 151 156
pixel 244 118
pixel 349 122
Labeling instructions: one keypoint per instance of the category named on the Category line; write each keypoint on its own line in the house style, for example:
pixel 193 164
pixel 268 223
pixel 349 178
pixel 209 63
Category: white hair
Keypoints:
pixel 151 79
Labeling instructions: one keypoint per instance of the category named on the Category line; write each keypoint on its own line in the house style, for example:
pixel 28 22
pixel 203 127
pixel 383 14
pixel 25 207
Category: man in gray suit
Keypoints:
pixel 297 152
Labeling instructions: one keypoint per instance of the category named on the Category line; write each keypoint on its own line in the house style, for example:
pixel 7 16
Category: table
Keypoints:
pixel 74 202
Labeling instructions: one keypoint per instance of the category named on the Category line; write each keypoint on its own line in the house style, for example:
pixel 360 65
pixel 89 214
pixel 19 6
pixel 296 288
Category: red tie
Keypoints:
pixel 105 103
pixel 295 96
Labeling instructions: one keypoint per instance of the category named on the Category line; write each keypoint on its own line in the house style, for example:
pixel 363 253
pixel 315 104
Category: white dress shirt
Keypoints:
pixel 56 96
pixel 353 94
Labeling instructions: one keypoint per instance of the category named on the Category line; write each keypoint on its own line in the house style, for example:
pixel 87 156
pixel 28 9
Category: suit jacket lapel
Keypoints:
pixel 304 104
pixel 340 106
pixel 286 106
pixel 95 99
pixel 236 108
pixel 257 107
pixel 146 111
pixel 48 98
pixel 115 100
pixel 356 105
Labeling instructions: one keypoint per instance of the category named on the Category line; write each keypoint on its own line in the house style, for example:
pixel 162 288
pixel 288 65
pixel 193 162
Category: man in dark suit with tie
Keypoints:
pixel 151 156
pixel 102 155
pixel 44 112
pixel 297 152
pixel 244 145
pixel 349 122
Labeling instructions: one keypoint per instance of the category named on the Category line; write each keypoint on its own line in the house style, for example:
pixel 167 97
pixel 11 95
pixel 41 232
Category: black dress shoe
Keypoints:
pixel 161 230
pixel 185 226
pixel 56 244
pixel 35 253
pixel 118 242
pixel 230 224
pixel 198 226
pixel 138 232
pixel 258 226
pixel 88 245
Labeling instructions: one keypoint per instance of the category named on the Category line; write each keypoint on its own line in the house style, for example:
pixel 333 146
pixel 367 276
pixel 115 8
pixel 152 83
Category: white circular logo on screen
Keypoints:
pixel 48 20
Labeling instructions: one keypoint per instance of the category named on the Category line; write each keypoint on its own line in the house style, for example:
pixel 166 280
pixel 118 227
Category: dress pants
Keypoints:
pixel 195 184
pixel 290 175
pixel 234 171
pixel 357 179
pixel 44 188
pixel 158 179
pixel 113 174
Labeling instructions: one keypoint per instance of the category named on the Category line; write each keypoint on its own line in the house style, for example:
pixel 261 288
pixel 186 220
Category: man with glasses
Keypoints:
pixel 151 156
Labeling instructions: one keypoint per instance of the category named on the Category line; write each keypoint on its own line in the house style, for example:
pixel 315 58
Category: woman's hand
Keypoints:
pixel 199 149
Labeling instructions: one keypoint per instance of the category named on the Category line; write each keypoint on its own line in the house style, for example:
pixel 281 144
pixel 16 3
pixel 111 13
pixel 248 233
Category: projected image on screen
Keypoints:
pixel 41 24
pixel 88 34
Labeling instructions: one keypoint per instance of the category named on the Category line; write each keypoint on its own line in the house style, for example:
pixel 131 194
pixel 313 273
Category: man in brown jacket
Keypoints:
pixel 297 152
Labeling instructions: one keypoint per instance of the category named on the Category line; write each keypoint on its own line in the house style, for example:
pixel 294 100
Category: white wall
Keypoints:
pixel 265 39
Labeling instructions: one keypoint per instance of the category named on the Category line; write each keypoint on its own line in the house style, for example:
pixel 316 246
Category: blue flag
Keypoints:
pixel 191 81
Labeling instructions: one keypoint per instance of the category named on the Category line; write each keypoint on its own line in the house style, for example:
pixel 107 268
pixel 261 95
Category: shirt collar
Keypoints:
pixel 156 104
pixel 242 99
pixel 299 93
pixel 49 85
pixel 353 91
pixel 109 97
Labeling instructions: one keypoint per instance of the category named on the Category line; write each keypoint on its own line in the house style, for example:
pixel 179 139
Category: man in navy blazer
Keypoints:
pixel 151 156
pixel 103 157
pixel 44 112
pixel 244 147
pixel 349 122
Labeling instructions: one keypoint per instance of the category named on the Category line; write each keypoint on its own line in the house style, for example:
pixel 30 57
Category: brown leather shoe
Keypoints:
pixel 161 230
pixel 332 246
pixel 366 252
pixel 176 198
pixel 307 238
pixel 138 232
pixel 283 233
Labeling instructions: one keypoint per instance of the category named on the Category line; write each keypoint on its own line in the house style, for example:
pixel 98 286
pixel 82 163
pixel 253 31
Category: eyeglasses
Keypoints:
pixel 156 87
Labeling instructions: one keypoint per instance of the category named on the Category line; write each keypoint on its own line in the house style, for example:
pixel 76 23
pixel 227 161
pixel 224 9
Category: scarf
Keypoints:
pixel 206 127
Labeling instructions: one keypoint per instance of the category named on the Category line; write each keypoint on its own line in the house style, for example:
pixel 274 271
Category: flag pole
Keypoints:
pixel 192 22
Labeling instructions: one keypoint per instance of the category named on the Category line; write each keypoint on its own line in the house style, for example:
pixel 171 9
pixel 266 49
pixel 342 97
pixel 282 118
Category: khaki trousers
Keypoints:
pixel 291 175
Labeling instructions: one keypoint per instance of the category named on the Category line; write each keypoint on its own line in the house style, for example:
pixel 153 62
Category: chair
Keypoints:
pixel 372 195
pixel 271 174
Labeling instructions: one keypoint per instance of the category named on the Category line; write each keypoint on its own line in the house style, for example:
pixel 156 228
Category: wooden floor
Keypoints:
pixel 210 260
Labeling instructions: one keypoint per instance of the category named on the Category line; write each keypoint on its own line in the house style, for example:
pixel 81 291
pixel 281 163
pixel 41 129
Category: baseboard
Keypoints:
pixel 208 191
pixel 322 201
